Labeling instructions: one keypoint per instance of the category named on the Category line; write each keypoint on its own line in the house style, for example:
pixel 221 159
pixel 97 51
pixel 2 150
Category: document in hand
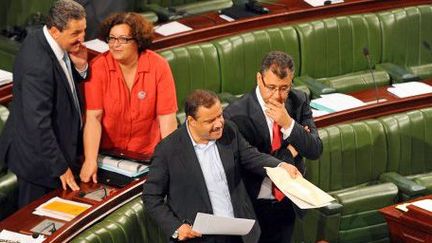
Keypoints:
pixel 121 166
pixel 209 224
pixel 60 208
pixel 335 102
pixel 303 193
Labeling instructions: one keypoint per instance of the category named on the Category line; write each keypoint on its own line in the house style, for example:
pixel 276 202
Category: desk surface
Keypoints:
pixel 23 220
pixel 412 226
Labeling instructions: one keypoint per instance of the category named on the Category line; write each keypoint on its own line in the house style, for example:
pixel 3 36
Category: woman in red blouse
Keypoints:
pixel 130 96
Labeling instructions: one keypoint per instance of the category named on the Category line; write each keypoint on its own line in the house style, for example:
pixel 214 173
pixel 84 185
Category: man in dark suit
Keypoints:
pixel 197 169
pixel 41 138
pixel 277 120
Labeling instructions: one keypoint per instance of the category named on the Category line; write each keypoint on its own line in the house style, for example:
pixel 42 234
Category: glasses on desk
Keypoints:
pixel 121 39
pixel 95 194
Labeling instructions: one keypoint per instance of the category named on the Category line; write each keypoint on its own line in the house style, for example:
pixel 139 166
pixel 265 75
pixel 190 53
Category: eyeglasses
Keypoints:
pixel 120 39
pixel 272 88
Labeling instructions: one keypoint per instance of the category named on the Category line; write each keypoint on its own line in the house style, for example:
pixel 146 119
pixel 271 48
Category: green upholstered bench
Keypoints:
pixel 170 9
pixel 130 223
pixel 404 32
pixel 354 157
pixel 409 143
pixel 332 53
pixel 241 55
pixel 8 180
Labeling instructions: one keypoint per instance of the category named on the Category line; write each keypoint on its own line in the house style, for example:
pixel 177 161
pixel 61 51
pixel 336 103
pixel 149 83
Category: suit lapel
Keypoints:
pixel 191 163
pixel 258 118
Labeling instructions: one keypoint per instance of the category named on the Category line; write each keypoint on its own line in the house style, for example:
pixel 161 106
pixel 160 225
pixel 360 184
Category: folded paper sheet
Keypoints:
pixel 209 224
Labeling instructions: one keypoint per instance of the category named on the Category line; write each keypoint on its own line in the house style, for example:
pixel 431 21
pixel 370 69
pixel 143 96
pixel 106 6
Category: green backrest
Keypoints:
pixel 19 11
pixel 171 3
pixel 193 67
pixel 409 141
pixel 333 46
pixel 404 31
pixel 129 224
pixel 241 55
pixel 4 13
pixel 4 114
pixel 353 154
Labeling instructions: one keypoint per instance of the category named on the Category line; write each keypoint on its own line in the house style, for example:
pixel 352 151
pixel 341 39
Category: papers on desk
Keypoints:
pixel 60 208
pixel 318 3
pixel 408 89
pixel 171 28
pixel 5 77
pixel 97 45
pixel 318 113
pixel 301 192
pixel 425 204
pixel 335 102
pixel 11 237
pixel 209 224
pixel 121 166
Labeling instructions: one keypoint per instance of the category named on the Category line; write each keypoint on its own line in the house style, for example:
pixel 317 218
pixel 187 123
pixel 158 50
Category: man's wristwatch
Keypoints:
pixel 175 235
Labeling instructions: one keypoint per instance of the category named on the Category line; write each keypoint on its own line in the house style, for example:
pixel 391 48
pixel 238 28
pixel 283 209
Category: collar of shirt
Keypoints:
pixel 58 51
pixel 200 146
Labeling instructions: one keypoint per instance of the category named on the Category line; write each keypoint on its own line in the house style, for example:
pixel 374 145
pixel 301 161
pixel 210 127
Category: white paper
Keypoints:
pixel 425 204
pixel 209 224
pixel 408 89
pixel 171 28
pixel 303 193
pixel 97 45
pixel 226 17
pixel 5 77
pixel 336 102
pixel 318 3
pixel 318 113
pixel 17 237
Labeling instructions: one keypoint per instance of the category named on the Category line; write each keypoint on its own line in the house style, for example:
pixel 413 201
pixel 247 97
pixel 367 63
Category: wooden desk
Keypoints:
pixel 393 104
pixel 210 26
pixel 412 226
pixel 23 220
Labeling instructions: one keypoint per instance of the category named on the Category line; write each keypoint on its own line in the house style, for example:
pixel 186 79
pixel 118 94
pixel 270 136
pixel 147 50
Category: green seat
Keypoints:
pixel 130 223
pixel 404 33
pixel 332 53
pixel 8 51
pixel 8 180
pixel 241 55
pixel 169 10
pixel 409 142
pixel 354 157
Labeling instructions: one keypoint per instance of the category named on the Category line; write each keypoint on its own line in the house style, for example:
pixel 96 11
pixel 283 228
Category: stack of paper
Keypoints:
pixel 408 89
pixel 5 77
pixel 336 102
pixel 171 28
pixel 425 204
pixel 60 208
pixel 122 166
pixel 97 45
pixel 301 192
pixel 10 236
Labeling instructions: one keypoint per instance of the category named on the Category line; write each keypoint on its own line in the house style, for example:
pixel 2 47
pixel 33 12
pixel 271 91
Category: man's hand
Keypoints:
pixel 89 171
pixel 67 179
pixel 276 111
pixel 79 58
pixel 185 232
pixel 291 169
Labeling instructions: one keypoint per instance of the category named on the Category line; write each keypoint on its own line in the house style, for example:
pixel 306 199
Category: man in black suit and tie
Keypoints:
pixel 41 138
pixel 277 120
pixel 197 169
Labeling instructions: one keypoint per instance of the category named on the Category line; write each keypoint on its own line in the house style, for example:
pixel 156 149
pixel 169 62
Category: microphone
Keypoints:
pixel 52 230
pixel 367 56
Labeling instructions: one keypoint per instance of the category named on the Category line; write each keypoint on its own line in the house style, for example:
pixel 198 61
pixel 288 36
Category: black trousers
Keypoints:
pixel 29 192
pixel 276 220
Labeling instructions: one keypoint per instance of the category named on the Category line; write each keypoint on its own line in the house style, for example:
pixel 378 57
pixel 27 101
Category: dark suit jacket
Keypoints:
pixel 42 135
pixel 247 114
pixel 176 173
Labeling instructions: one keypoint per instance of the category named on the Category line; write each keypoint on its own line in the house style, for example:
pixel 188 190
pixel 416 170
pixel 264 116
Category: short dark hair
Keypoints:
pixel 62 11
pixel 142 29
pixel 278 62
pixel 197 98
